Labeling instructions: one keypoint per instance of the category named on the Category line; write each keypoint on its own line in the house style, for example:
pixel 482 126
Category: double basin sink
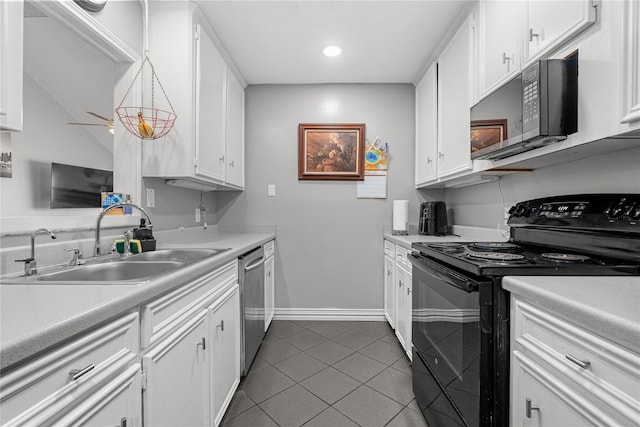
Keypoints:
pixel 132 269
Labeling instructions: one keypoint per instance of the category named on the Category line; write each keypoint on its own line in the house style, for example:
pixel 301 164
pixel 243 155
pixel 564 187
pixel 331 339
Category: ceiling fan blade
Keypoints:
pixel 99 116
pixel 89 124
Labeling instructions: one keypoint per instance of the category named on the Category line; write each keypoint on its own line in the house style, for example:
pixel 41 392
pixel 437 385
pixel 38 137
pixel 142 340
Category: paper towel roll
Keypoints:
pixel 400 216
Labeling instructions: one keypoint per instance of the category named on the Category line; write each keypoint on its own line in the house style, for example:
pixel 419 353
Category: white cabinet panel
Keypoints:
pixel 427 127
pixel 11 42
pixel 389 291
pixel 235 132
pixel 631 58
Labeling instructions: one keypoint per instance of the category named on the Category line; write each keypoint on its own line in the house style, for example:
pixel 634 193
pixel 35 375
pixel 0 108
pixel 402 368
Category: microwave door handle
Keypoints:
pixel 466 285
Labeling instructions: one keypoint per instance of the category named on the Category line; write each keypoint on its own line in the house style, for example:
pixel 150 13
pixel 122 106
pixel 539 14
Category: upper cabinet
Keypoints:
pixel 205 150
pixel 500 43
pixel 11 65
pixel 552 23
pixel 631 56
pixel 427 127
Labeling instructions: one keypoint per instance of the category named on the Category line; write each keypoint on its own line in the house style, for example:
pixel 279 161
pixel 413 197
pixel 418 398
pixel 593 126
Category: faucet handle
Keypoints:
pixel 78 258
pixel 30 266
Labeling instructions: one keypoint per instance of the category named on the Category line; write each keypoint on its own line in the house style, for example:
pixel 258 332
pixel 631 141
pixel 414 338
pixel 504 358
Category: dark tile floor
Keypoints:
pixel 327 374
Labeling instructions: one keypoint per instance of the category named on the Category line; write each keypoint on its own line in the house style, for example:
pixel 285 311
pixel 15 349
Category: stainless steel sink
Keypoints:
pixel 179 255
pixel 114 272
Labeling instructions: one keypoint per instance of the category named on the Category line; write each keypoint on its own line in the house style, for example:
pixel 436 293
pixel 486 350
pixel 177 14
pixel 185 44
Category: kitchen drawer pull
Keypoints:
pixel 584 364
pixel 529 407
pixel 75 374
pixel 202 343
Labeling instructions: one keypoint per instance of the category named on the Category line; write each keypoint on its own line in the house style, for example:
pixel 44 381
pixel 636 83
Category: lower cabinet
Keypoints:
pixel 93 379
pixel 564 375
pixel 397 292
pixel 224 331
pixel 177 372
pixel 269 284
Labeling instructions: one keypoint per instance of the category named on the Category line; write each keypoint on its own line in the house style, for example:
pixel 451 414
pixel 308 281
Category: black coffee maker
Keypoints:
pixel 433 219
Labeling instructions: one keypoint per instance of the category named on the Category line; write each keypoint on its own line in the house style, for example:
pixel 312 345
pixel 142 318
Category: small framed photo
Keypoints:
pixel 485 133
pixel 331 151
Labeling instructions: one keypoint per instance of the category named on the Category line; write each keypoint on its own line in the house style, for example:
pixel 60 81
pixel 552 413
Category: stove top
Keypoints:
pixel 509 258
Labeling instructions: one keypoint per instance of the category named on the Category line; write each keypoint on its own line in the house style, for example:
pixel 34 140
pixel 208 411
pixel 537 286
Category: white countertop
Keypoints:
pixel 608 306
pixel 34 317
pixel 460 233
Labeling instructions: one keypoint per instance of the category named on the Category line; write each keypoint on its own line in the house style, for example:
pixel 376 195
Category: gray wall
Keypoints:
pixel 329 243
pixel 482 205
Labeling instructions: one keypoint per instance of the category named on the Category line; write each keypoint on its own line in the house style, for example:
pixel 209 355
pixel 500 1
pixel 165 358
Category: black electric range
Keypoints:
pixel 460 313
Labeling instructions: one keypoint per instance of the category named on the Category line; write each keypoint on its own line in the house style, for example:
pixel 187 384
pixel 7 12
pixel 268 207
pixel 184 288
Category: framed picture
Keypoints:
pixel 485 133
pixel 331 151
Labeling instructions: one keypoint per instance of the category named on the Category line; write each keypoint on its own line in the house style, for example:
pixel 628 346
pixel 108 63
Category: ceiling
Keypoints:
pixel 281 42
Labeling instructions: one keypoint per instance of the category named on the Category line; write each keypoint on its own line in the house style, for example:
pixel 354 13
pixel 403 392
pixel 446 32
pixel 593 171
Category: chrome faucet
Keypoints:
pixel 77 259
pixel 30 264
pixel 96 247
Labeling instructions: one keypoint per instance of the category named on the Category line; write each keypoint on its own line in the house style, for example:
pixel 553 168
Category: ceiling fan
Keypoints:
pixel 108 124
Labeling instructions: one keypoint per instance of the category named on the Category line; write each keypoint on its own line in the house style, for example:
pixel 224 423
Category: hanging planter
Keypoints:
pixel 148 122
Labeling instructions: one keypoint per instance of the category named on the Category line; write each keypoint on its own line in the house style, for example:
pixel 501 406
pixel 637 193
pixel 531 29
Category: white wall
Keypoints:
pixel 481 205
pixel 329 248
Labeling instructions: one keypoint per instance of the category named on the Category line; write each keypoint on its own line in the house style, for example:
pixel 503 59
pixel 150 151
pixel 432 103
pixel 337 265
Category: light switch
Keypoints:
pixel 271 190
pixel 151 198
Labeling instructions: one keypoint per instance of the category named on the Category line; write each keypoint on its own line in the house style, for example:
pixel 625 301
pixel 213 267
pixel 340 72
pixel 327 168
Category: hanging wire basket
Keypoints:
pixel 147 122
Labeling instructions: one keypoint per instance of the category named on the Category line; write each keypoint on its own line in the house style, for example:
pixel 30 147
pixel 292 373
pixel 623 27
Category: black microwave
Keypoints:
pixel 537 107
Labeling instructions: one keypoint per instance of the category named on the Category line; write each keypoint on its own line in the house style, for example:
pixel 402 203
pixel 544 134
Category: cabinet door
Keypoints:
pixel 427 126
pixel 552 23
pixel 389 291
pixel 500 44
pixel 210 95
pixel 454 102
pixel 11 65
pixel 631 88
pixel 408 336
pixel 177 390
pixel 401 306
pixel 118 403
pixel 235 131
pixel 269 292
pixel 224 330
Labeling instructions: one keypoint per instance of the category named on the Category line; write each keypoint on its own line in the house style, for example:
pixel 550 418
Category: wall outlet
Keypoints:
pixel 151 198
pixel 197 214
pixel 271 190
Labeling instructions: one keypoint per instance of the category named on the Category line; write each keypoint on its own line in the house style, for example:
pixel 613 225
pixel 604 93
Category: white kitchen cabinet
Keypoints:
pixel 11 41
pixel 500 33
pixel 403 287
pixel 224 333
pixel 426 150
pixel 206 146
pixel 177 373
pixel 389 283
pixel 269 284
pixel 573 376
pixel 234 160
pixel 455 96
pixel 90 377
pixel 550 24
pixel 631 61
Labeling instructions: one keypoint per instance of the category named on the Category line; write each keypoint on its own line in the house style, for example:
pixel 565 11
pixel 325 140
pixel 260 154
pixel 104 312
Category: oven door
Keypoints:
pixel 452 341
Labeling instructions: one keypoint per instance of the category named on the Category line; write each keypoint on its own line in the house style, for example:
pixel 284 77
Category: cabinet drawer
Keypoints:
pixel 165 314
pixel 401 256
pixel 269 248
pixel 610 374
pixel 46 387
pixel 389 248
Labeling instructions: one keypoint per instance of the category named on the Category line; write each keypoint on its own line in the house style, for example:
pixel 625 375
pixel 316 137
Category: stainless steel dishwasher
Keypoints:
pixel 251 271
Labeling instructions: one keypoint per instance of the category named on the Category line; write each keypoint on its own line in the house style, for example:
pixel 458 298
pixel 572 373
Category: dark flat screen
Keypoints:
pixel 78 187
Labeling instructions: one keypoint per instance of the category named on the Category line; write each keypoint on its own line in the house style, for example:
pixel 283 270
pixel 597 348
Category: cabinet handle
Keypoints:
pixel 440 154
pixel 123 422
pixel 408 291
pixel 529 407
pixel 584 364
pixel 221 159
pixel 231 164
pixel 429 160
pixel 75 374
pixel 221 326
pixel 505 58
pixel 532 34
pixel 399 283
pixel 203 343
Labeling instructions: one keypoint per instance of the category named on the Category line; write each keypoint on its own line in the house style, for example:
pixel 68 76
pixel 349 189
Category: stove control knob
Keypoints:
pixel 634 213
pixel 521 210
pixel 616 211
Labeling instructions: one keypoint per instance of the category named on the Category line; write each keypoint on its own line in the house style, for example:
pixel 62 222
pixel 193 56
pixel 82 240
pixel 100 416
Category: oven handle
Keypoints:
pixel 442 273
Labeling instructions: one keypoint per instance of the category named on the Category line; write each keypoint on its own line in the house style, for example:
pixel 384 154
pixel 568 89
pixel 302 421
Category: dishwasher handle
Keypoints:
pixel 257 263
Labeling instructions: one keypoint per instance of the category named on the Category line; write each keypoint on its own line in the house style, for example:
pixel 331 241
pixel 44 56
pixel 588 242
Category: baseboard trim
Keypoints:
pixel 373 315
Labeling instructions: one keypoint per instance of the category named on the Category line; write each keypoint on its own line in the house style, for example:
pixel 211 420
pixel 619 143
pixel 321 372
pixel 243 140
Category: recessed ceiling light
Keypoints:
pixel 332 51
